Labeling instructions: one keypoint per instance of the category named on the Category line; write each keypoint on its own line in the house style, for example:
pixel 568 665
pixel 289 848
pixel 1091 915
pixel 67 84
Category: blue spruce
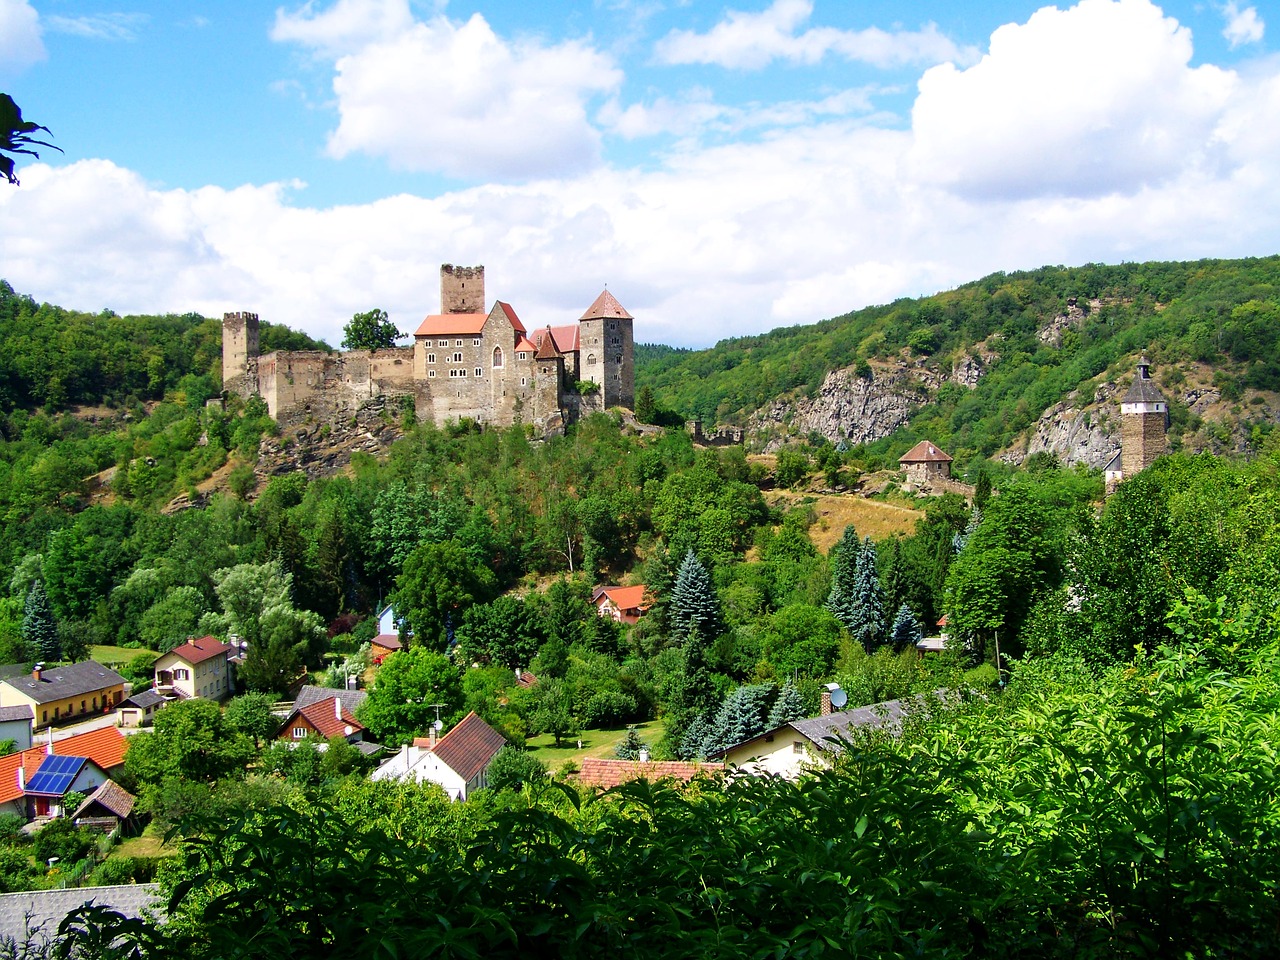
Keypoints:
pixel 869 625
pixel 906 629
pixel 844 565
pixel 789 706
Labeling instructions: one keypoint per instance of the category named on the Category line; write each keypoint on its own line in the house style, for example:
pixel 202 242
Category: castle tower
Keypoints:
pixel 608 350
pixel 240 353
pixel 461 289
pixel 1143 417
pixel 548 377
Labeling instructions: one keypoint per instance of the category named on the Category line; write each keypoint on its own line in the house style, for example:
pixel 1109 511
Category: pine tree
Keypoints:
pixel 39 629
pixel 844 562
pixel 906 629
pixel 695 740
pixel 630 747
pixel 869 625
pixel 740 717
pixel 789 706
pixel 693 601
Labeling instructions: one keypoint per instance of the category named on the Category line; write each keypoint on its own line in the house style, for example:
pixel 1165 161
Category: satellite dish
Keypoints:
pixel 437 725
pixel 838 697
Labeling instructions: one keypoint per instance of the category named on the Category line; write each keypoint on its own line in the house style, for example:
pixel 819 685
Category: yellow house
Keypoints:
pixel 81 689
pixel 198 668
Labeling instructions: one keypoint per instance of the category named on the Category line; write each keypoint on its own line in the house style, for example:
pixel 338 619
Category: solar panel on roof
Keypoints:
pixel 55 775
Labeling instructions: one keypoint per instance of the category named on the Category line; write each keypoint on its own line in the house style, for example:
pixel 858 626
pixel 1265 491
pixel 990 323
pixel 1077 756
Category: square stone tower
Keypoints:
pixel 1144 414
pixel 461 289
pixel 607 351
pixel 240 353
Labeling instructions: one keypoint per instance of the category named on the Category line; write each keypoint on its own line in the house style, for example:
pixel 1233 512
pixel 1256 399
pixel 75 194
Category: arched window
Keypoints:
pixel 497 356
pixel 591 358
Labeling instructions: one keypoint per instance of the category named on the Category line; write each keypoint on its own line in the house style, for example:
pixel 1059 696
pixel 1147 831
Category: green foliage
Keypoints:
pixel 906 632
pixel 250 714
pixel 39 629
pixel 401 704
pixel 630 746
pixel 439 583
pixel 191 740
pixel 787 707
pixel 694 606
pixel 553 710
pixel 62 839
pixel 501 631
pixel 371 330
pixel 512 767
pixel 868 625
pixel 842 600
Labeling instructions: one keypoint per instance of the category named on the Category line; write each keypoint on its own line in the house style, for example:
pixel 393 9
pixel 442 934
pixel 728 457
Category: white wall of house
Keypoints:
pixel 786 754
pixel 207 679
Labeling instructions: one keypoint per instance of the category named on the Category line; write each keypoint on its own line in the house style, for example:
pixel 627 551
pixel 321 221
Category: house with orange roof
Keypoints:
pixel 466 362
pixel 198 668
pixel 606 773
pixel 33 782
pixel 925 463
pixel 624 604
pixel 324 719
pixel 458 762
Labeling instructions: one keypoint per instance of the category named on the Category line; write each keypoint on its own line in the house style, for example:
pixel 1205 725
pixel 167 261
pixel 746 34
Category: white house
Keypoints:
pixel 459 762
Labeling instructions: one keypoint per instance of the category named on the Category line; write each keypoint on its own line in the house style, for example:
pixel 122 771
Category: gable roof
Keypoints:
pixel 111 797
pixel 448 324
pixel 546 346
pixel 924 452
pixel 388 641
pixel 606 773
pixel 525 344
pixel 62 683
pixel 468 747
pixel 829 732
pixel 105 747
pixel 624 598
pixel 351 699
pixel 324 718
pixel 606 306
pixel 143 699
pixel 198 651
pixel 506 310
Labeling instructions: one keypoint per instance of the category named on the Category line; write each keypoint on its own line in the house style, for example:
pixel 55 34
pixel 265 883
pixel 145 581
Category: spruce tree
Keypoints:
pixel 693 695
pixel 906 629
pixel 869 625
pixel 789 706
pixel 630 747
pixel 844 562
pixel 695 740
pixel 740 717
pixel 693 601
pixel 39 629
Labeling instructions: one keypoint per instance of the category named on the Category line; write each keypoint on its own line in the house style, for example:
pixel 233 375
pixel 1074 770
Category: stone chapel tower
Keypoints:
pixel 1144 414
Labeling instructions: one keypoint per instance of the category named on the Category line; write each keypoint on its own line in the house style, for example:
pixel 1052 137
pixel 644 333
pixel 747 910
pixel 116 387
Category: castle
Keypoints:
pixel 464 363
pixel 1144 418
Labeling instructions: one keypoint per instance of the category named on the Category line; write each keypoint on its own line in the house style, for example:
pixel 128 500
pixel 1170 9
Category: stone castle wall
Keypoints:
pixel 1142 440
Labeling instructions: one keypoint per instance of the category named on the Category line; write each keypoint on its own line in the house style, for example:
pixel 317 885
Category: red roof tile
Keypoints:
pixel 524 343
pixel 510 315
pixel 923 452
pixel 198 651
pixel 606 773
pixel 105 747
pixel 468 747
pixel 448 324
pixel 606 306
pixel 624 598
pixel 323 717
pixel 546 346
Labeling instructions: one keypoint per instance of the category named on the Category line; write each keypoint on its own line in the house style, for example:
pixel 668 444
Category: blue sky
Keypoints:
pixel 725 169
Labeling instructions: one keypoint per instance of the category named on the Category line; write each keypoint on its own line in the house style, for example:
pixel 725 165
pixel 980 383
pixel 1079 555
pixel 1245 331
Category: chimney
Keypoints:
pixel 22 778
pixel 432 743
pixel 337 708
pixel 36 670
pixel 644 754
pixel 826 703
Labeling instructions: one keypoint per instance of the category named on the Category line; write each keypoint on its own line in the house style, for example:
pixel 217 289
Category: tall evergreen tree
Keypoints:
pixel 693 696
pixel 789 706
pixel 906 629
pixel 630 747
pixel 693 601
pixel 39 629
pixel 869 625
pixel 844 564
pixel 741 717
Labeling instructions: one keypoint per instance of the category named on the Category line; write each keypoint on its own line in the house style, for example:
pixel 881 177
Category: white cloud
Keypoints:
pixel 20 42
pixel 696 113
pixel 1243 26
pixel 455 98
pixel 750 41
pixel 1083 102
pixel 103 26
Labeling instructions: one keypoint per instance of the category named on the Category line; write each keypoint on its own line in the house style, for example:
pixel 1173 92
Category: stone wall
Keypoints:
pixel 1142 439
pixel 240 353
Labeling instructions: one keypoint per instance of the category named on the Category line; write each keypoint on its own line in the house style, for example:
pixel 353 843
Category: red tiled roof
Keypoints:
pixel 607 306
pixel 388 641
pixel 524 343
pixel 624 598
pixel 510 315
pixel 105 747
pixel 526 679
pixel 605 773
pixel 468 747
pixel 324 718
pixel 923 452
pixel 442 324
pixel 198 651
pixel 112 797
pixel 546 346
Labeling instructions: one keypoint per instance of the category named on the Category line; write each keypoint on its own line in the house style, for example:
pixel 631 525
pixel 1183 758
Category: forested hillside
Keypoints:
pixel 1222 313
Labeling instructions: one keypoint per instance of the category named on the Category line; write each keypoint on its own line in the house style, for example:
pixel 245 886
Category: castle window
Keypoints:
pixel 457 357
pixel 591 358
pixel 613 324
pixel 615 341
pixel 475 342
pixel 497 356
pixel 431 358
pixel 431 373
pixel 522 355
pixel 426 343
pixel 479 371
pixel 457 343
pixel 524 381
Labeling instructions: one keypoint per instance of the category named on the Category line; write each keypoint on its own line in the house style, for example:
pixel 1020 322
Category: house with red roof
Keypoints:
pixel 458 762
pixel 33 782
pixel 466 362
pixel 324 719
pixel 383 645
pixel 925 463
pixel 606 773
pixel 198 668
pixel 624 604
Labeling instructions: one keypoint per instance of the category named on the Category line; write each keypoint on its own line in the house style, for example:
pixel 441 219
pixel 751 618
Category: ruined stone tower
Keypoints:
pixel 608 350
pixel 1144 415
pixel 240 353
pixel 461 289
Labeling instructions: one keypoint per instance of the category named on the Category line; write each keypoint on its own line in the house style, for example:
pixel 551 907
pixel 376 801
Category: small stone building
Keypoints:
pixel 1144 420
pixel 925 464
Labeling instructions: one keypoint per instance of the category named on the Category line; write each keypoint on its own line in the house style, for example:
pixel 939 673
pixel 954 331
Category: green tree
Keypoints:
pixel 16 137
pixel 439 583
pixel 787 707
pixel 410 683
pixel 191 740
pixel 694 605
pixel 513 767
pixel 630 746
pixel 842 599
pixel 646 406
pixel 553 710
pixel 906 630
pixel 869 625
pixel 39 629
pixel 250 714
pixel 501 631
pixel 371 330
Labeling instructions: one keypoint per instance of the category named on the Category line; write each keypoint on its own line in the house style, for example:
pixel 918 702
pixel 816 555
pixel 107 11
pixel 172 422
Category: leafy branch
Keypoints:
pixel 15 136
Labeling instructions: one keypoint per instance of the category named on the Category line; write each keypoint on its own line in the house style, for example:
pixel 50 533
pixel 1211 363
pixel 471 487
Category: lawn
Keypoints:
pixel 116 656
pixel 595 743
pixel 150 844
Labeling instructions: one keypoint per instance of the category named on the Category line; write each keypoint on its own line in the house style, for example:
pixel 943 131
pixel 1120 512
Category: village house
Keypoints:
pixel 198 668
pixel 139 709
pixel 15 725
pixel 925 464
pixel 324 719
pixel 382 646
pixel 34 782
pixel 468 361
pixel 605 773
pixel 624 604
pixel 458 762
pixel 63 693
